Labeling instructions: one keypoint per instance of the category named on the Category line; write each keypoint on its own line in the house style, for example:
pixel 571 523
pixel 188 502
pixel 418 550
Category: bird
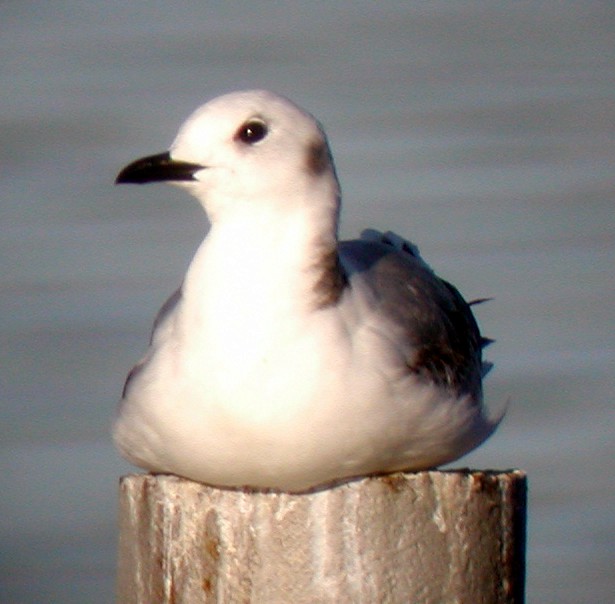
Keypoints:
pixel 289 359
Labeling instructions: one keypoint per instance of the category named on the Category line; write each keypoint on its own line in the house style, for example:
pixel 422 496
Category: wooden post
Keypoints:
pixel 427 537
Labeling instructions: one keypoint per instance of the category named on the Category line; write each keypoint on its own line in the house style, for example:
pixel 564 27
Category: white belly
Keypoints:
pixel 243 386
pixel 315 408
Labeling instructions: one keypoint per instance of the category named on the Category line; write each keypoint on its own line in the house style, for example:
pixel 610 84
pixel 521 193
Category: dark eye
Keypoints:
pixel 251 132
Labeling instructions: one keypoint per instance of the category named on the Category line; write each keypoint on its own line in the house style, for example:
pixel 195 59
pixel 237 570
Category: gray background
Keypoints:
pixel 483 131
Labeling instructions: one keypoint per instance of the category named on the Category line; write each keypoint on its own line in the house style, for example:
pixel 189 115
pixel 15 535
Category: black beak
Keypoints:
pixel 157 168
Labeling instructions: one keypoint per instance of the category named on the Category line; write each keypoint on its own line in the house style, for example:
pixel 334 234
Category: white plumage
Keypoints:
pixel 288 359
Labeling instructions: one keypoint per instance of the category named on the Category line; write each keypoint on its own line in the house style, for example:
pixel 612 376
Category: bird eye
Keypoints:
pixel 251 132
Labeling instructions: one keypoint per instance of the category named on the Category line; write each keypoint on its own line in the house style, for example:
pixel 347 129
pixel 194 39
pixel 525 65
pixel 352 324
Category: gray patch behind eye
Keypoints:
pixel 318 158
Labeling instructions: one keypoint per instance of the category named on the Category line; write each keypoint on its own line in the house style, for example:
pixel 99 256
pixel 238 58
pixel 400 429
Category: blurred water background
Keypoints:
pixel 483 131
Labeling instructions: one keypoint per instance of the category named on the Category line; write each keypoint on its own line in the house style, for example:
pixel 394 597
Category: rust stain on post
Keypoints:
pixel 425 537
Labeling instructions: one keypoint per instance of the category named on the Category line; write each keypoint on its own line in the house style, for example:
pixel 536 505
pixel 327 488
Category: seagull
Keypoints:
pixel 289 359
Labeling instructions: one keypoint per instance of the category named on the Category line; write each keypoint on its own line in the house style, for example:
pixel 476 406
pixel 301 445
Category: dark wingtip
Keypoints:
pixel 486 367
pixel 479 301
pixel 484 342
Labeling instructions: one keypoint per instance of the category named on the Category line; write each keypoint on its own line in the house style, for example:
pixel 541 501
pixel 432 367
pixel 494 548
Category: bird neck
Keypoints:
pixel 276 263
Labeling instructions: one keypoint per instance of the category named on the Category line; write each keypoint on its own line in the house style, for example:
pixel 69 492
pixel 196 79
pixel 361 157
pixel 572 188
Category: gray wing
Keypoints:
pixel 161 324
pixel 443 336
pixel 162 318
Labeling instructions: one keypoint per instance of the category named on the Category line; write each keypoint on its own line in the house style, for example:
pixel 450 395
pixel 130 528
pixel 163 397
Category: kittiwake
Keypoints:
pixel 289 359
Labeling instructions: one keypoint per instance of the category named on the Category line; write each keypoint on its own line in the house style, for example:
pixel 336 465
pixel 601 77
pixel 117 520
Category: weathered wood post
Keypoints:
pixel 427 537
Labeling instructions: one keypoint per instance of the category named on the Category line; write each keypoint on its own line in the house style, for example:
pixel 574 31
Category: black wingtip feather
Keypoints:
pixel 484 342
pixel 479 301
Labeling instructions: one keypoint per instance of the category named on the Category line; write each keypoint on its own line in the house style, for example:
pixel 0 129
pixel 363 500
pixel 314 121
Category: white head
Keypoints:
pixel 245 147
